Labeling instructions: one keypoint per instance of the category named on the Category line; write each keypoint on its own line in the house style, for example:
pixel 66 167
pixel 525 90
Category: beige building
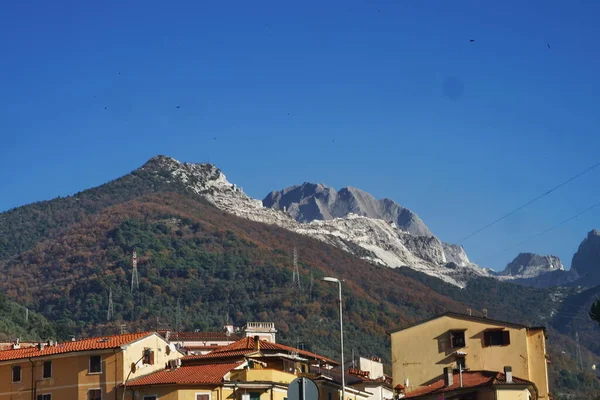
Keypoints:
pixel 87 369
pixel 462 342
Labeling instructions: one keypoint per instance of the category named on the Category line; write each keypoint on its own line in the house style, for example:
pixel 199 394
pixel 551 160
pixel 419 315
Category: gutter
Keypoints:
pixel 32 378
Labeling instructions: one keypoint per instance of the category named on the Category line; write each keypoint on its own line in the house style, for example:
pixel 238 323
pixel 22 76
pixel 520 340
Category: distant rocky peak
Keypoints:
pixel 586 262
pixel 309 202
pixel 529 265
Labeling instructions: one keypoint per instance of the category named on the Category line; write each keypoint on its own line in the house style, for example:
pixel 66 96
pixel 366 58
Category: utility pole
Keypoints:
pixel 135 279
pixel 579 358
pixel 110 311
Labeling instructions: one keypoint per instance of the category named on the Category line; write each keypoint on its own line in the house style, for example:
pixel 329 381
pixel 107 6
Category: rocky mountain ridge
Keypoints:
pixel 376 240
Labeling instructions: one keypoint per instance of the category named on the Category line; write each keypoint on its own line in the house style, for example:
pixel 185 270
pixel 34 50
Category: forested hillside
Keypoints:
pixel 62 258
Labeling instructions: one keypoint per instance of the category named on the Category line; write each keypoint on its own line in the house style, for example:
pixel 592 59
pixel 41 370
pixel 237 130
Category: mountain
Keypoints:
pixel 586 261
pixel 315 201
pixel 207 253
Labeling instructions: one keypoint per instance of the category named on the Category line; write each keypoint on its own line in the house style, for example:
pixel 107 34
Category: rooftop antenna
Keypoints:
pixel 111 309
pixel 122 328
pixel 353 362
pixel 135 280
pixel 296 273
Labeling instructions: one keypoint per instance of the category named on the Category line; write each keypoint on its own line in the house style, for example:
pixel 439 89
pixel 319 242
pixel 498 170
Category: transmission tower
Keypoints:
pixel 177 317
pixel 310 288
pixel 26 315
pixel 135 279
pixel 296 273
pixel 579 358
pixel 111 308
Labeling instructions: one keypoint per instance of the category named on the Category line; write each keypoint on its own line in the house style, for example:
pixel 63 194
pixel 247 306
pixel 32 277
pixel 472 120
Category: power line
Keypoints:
pixel 537 235
pixel 571 179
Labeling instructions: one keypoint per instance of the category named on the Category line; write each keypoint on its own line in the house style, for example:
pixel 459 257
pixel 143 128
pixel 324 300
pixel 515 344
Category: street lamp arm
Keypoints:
pixel 130 371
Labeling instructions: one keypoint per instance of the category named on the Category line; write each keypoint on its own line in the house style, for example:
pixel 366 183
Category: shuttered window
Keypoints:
pixel 496 338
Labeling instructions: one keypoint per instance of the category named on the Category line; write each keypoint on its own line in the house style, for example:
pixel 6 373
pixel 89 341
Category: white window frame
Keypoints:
pixel 47 377
pixel 89 390
pixel 90 365
pixel 203 393
pixel 12 374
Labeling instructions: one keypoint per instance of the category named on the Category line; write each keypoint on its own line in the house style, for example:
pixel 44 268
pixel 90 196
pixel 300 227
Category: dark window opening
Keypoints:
pixel 461 363
pixel 496 338
pixel 95 394
pixel 95 364
pixel 16 373
pixel 457 339
pixel 202 397
pixel 44 397
pixel 148 357
pixel 47 369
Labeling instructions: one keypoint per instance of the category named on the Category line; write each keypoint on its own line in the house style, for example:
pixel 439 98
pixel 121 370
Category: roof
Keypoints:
pixel 201 336
pixel 95 343
pixel 187 375
pixel 364 376
pixel 248 346
pixel 471 380
pixel 470 318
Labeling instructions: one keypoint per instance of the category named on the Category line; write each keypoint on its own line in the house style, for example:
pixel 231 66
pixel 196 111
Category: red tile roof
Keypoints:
pixel 247 346
pixel 201 336
pixel 187 375
pixel 96 343
pixel 471 379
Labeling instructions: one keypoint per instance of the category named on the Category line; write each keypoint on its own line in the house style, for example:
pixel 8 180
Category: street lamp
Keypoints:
pixel 330 279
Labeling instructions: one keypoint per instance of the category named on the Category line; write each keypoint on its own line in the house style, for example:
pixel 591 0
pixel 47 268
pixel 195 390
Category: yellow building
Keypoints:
pixel 458 341
pixel 249 369
pixel 477 385
pixel 87 369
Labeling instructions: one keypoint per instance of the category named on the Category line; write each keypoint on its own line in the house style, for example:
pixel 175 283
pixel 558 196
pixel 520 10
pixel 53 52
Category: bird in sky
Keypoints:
pixel 471 40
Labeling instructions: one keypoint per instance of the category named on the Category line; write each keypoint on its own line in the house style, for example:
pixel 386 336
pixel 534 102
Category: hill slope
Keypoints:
pixel 62 257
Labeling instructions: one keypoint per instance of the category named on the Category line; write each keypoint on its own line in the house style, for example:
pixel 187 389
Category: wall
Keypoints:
pixel 538 367
pixel 421 352
pixel 515 394
pixel 262 375
pixel 169 392
pixel 134 351
pixel 375 368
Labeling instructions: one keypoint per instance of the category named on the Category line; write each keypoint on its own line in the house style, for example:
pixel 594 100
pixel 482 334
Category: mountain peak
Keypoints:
pixel 585 261
pixel 529 265
pixel 310 201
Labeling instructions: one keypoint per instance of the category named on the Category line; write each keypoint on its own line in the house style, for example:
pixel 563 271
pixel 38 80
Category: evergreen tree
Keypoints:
pixel 595 311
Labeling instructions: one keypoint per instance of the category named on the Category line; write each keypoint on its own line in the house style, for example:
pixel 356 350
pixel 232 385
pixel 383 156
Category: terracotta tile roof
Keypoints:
pixel 201 336
pixel 248 346
pixel 471 380
pixel 187 375
pixel 96 343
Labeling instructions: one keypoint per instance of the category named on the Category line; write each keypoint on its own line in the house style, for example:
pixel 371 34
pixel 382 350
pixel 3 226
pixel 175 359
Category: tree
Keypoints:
pixel 595 311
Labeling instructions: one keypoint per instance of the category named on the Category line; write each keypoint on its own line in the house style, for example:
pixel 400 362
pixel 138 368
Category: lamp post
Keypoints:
pixel 330 279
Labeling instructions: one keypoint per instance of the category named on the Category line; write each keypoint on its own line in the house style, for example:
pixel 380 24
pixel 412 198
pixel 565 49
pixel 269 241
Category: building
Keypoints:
pixel 204 342
pixel 477 385
pixel 87 369
pixel 372 380
pixel 459 341
pixel 249 369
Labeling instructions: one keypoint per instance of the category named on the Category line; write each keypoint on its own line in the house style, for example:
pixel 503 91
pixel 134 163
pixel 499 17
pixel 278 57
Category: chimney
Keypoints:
pixel 508 374
pixel 41 346
pixel 448 377
pixel 469 311
pixel 167 335
pixel 256 342
pixel 484 312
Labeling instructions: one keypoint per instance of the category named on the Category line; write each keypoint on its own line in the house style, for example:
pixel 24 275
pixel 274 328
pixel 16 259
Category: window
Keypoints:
pixel 457 339
pixel 95 365
pixel 95 394
pixel 148 357
pixel 44 397
pixel 496 338
pixel 254 396
pixel 47 369
pixel 202 396
pixel 151 397
pixel 329 396
pixel 16 373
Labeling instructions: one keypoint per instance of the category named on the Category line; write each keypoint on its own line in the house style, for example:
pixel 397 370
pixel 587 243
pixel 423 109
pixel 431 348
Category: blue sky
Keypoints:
pixel 388 96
